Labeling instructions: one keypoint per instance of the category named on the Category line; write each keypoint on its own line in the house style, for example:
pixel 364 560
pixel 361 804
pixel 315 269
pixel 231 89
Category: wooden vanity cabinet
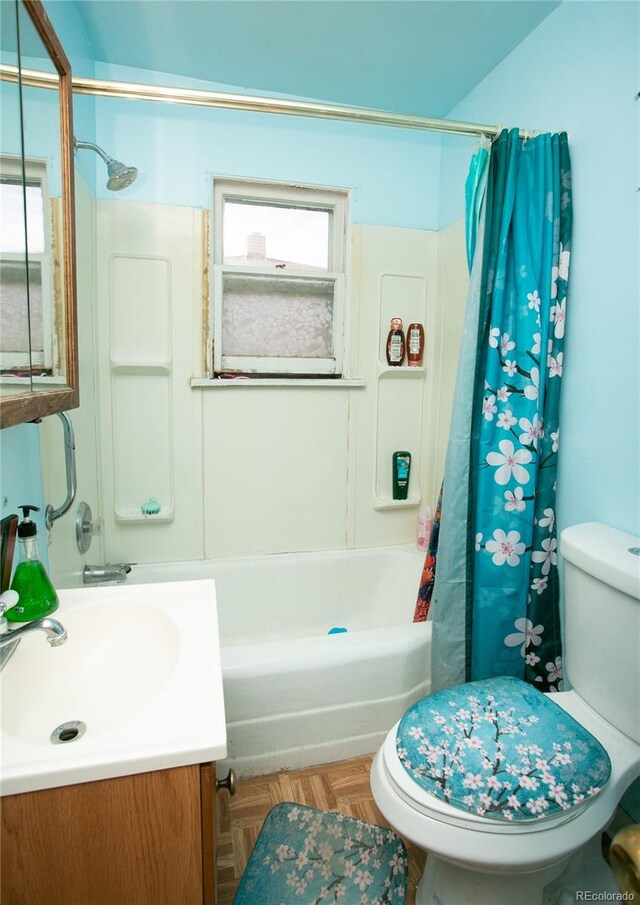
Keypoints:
pixel 147 839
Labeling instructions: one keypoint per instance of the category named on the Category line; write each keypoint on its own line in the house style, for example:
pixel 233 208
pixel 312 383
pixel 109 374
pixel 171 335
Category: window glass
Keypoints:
pixel 12 219
pixel 277 236
pixel 271 317
pixel 21 325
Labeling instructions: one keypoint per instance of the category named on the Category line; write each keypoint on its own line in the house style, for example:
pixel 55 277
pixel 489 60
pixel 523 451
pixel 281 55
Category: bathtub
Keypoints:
pixel 296 696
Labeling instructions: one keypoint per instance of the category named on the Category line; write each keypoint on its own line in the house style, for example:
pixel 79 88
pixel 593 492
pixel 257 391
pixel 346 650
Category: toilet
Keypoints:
pixel 499 855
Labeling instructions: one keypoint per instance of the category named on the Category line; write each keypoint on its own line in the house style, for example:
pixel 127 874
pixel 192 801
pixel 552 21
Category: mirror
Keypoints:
pixel 38 355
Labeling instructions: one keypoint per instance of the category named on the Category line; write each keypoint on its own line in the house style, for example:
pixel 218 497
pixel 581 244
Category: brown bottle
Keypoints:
pixel 415 345
pixel 395 343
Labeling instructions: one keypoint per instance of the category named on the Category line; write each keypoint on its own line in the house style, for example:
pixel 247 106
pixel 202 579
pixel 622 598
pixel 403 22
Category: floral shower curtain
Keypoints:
pixel 495 599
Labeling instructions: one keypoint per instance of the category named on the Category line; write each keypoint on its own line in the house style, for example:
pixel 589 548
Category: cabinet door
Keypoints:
pixel 134 840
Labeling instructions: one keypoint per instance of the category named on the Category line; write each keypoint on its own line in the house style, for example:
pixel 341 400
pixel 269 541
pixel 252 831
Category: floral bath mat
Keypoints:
pixel 320 858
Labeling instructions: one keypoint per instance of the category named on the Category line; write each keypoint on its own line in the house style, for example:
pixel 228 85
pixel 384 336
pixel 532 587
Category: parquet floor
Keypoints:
pixel 342 787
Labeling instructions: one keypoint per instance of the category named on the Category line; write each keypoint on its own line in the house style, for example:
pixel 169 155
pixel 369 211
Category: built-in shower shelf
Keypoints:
pixel 389 503
pixel 401 372
pixel 134 516
pixel 400 391
pixel 148 368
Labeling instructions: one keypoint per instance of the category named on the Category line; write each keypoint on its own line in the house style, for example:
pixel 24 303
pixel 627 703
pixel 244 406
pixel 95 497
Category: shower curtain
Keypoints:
pixel 496 592
pixel 475 189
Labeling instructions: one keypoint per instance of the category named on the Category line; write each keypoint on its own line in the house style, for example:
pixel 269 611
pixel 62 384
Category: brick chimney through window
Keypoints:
pixel 256 247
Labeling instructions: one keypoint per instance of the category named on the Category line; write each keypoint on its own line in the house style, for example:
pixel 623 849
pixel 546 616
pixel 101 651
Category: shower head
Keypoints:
pixel 120 175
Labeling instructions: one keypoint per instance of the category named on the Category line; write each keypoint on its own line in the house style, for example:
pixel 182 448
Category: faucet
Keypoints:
pixel 9 639
pixel 110 572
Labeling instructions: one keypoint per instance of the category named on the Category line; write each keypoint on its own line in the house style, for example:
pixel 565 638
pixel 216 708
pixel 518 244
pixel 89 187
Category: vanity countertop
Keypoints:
pixel 140 669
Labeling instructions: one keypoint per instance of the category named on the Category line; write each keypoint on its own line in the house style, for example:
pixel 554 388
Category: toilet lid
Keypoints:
pixel 500 750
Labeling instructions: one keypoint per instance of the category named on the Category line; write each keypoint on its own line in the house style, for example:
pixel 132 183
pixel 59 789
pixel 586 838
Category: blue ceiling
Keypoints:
pixel 411 56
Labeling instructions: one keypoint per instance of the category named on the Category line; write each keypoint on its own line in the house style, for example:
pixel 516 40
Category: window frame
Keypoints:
pixel 288 195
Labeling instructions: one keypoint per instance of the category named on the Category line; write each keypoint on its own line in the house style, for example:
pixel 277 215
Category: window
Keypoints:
pixel 26 324
pixel 279 266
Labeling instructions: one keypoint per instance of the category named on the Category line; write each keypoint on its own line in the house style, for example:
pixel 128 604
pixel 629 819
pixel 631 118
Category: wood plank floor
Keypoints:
pixel 342 787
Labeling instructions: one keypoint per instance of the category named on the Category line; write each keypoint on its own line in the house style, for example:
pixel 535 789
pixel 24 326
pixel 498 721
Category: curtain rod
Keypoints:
pixel 252 103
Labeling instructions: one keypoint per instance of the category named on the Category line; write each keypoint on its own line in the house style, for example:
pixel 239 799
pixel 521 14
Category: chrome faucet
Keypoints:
pixel 110 572
pixel 9 639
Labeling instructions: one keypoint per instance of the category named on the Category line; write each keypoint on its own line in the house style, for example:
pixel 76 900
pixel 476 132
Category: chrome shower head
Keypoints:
pixel 120 175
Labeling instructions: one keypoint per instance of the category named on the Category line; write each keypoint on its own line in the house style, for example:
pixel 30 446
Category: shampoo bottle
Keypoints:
pixel 415 345
pixel 36 596
pixel 400 477
pixel 395 343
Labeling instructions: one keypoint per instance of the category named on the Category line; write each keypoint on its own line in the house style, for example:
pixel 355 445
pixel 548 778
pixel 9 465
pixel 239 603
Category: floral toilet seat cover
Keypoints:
pixel 502 750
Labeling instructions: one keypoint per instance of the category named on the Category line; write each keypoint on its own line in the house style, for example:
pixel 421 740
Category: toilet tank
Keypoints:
pixel 602 621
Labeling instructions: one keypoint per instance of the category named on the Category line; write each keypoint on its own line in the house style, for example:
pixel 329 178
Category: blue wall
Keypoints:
pixel 41 105
pixel 578 71
pixel 68 26
pixel 21 477
pixel 395 173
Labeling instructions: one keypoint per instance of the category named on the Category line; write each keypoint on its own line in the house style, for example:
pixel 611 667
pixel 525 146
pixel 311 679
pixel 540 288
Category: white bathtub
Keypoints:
pixel 294 695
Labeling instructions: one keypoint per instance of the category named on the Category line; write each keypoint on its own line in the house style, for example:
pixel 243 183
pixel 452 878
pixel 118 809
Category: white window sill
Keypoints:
pixel 206 383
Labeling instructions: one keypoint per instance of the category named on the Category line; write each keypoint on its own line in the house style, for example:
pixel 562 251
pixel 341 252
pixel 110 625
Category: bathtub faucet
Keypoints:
pixel 116 571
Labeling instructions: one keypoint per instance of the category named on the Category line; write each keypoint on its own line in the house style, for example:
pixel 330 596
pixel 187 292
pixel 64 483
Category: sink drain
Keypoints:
pixel 68 732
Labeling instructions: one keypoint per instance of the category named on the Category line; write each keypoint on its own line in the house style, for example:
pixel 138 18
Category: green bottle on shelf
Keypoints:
pixel 36 596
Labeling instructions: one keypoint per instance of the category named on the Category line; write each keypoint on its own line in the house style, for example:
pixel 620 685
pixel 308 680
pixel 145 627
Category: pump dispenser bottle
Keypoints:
pixel 36 596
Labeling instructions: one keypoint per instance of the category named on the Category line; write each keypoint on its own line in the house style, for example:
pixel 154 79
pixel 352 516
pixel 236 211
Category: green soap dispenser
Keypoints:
pixel 36 596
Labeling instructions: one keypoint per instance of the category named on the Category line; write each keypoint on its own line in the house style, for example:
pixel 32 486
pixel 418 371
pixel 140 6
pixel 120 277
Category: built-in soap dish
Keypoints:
pixel 68 732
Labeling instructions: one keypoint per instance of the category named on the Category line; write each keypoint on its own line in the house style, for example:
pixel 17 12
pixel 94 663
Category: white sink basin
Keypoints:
pixel 140 667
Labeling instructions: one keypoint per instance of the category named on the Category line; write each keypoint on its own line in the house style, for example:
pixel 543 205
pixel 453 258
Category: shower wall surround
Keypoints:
pixel 242 470
pixel 149 264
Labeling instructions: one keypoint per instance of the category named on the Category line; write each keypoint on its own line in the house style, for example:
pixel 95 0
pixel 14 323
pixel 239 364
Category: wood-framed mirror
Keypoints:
pixel 38 322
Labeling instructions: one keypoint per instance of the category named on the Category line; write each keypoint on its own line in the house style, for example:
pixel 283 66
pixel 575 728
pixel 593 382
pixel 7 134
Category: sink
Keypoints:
pixel 141 669
pixel 106 672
